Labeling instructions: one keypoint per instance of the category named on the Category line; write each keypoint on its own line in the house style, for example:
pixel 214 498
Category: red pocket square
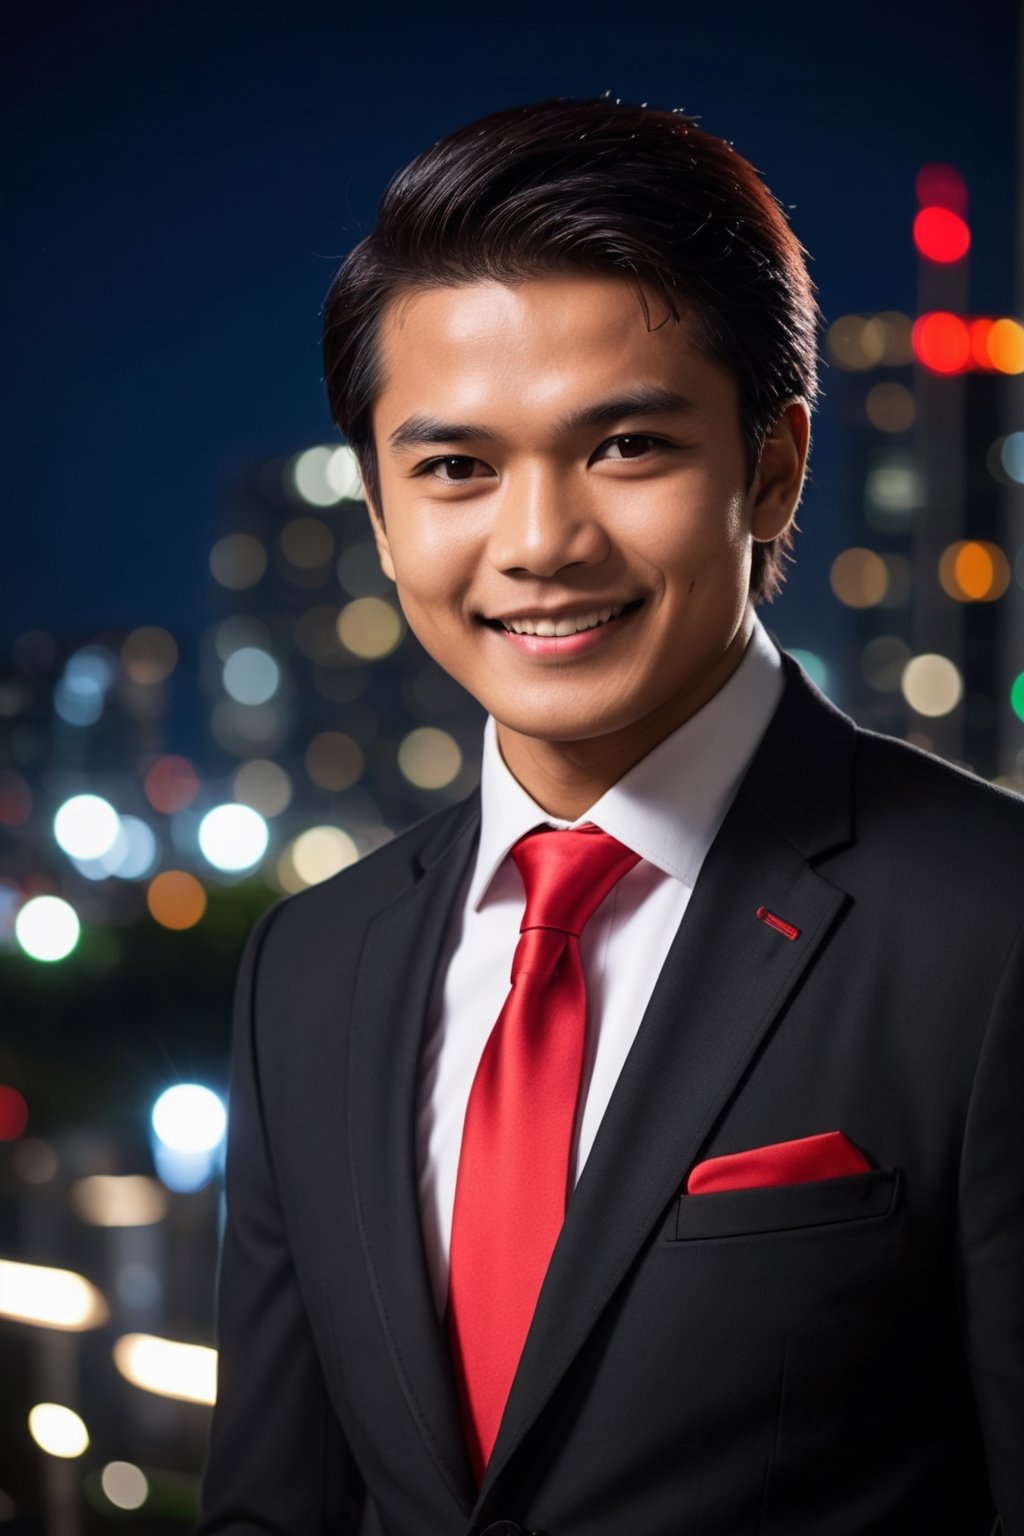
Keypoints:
pixel 829 1156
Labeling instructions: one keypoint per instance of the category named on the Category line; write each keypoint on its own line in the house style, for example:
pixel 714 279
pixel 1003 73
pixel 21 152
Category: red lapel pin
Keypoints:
pixel 778 923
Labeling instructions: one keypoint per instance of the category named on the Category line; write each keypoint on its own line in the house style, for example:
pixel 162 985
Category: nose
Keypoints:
pixel 543 522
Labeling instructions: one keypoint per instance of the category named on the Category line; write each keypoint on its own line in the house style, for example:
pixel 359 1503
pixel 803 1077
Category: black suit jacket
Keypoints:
pixel 824 1359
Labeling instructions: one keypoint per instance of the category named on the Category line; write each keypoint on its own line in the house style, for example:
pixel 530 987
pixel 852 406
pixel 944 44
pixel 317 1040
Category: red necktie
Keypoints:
pixel 513 1178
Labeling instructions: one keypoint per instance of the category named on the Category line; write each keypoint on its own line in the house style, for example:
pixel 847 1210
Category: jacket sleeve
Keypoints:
pixel 278 1464
pixel 991 1249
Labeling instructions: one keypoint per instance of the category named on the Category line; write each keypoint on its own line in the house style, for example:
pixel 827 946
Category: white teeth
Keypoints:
pixel 548 628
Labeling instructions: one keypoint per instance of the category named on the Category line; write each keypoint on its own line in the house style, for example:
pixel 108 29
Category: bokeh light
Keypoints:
pixel 307 543
pixel 1011 456
pixel 893 490
pixel 238 561
pixel 1005 346
pixel 251 675
pixel 171 784
pixel 86 826
pixel 321 852
pixel 124 1484
pixel 149 655
pixel 334 760
pixel 233 837
pixel 118 1200
pixel 134 853
pixel 429 758
pixel 184 1371
pixel 941 235
pixel 890 407
pixel 58 1431
pixel 974 571
pixel 264 785
pixel 1017 696
pixel 370 627
pixel 189 1118
pixel 47 928
pixel 813 665
pixel 307 475
pixel 50 1298
pixel 343 476
pixel 176 899
pixel 942 342
pixel 13 1113
pixel 858 577
pixel 35 1160
pixel 931 685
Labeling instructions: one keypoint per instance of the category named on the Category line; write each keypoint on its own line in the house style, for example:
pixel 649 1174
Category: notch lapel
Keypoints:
pixel 393 987
pixel 725 980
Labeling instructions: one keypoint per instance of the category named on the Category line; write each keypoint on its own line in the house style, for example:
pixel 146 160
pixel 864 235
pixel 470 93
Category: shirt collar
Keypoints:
pixel 671 803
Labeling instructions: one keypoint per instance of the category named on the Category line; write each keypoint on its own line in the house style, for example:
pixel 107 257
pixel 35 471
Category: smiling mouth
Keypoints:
pixel 570 624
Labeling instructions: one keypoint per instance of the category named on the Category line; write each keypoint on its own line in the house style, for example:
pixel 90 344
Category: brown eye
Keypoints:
pixel 633 446
pixel 458 467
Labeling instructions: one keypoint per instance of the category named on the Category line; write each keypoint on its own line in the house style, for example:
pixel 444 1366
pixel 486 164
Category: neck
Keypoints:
pixel 567 777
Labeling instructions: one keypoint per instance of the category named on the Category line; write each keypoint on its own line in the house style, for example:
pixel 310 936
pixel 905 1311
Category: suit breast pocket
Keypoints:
pixel 782 1208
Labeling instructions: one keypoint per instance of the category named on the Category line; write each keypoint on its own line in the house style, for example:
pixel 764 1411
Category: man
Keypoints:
pixel 714 1222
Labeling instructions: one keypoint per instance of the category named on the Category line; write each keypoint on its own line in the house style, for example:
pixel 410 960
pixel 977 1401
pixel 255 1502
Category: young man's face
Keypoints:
pixel 548 463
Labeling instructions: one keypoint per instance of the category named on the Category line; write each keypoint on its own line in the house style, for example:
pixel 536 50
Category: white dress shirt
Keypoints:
pixel 667 808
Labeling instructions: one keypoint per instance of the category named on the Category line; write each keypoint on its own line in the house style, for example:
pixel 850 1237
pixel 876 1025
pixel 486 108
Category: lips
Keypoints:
pixel 561 626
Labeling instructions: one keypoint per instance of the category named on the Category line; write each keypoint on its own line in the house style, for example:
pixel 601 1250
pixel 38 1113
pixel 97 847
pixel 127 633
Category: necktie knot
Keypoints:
pixel 568 874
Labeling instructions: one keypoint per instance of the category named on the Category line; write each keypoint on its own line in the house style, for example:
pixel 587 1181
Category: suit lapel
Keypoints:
pixel 726 978
pixel 392 991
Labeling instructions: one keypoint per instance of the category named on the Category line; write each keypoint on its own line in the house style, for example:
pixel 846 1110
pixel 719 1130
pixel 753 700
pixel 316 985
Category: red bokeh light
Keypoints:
pixel 171 784
pixel 942 342
pixel 941 235
pixel 979 343
pixel 942 186
pixel 13 1114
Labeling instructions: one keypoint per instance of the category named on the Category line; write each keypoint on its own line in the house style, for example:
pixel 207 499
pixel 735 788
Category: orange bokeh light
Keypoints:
pixel 171 784
pixel 941 235
pixel 974 571
pixel 942 342
pixel 176 899
pixel 1005 346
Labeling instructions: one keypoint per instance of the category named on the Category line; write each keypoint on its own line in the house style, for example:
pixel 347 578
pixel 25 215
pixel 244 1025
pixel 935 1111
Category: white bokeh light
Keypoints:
pixel 233 836
pixel 189 1118
pixel 309 476
pixel 251 676
pixel 342 474
pixel 47 928
pixel 124 1484
pixel 86 826
pixel 58 1430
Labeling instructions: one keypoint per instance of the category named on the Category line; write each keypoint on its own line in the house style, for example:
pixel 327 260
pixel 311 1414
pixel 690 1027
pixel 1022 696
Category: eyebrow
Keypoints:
pixel 418 430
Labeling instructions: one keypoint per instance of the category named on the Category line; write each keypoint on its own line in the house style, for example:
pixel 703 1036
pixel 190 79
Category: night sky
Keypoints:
pixel 182 179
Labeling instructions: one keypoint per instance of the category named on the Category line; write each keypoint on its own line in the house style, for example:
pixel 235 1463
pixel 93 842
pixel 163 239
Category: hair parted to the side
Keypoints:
pixel 598 186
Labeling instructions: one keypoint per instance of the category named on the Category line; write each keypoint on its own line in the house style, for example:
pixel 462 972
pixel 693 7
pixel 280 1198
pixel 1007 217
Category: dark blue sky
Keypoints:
pixel 183 177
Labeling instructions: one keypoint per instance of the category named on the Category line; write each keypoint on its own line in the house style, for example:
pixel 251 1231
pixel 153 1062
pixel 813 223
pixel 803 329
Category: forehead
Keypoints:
pixel 547 343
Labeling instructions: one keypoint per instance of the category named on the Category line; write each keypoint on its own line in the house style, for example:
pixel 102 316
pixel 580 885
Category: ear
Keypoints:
pixel 780 472
pixel 380 537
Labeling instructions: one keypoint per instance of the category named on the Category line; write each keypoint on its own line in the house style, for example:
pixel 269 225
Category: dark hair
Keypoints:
pixel 594 186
